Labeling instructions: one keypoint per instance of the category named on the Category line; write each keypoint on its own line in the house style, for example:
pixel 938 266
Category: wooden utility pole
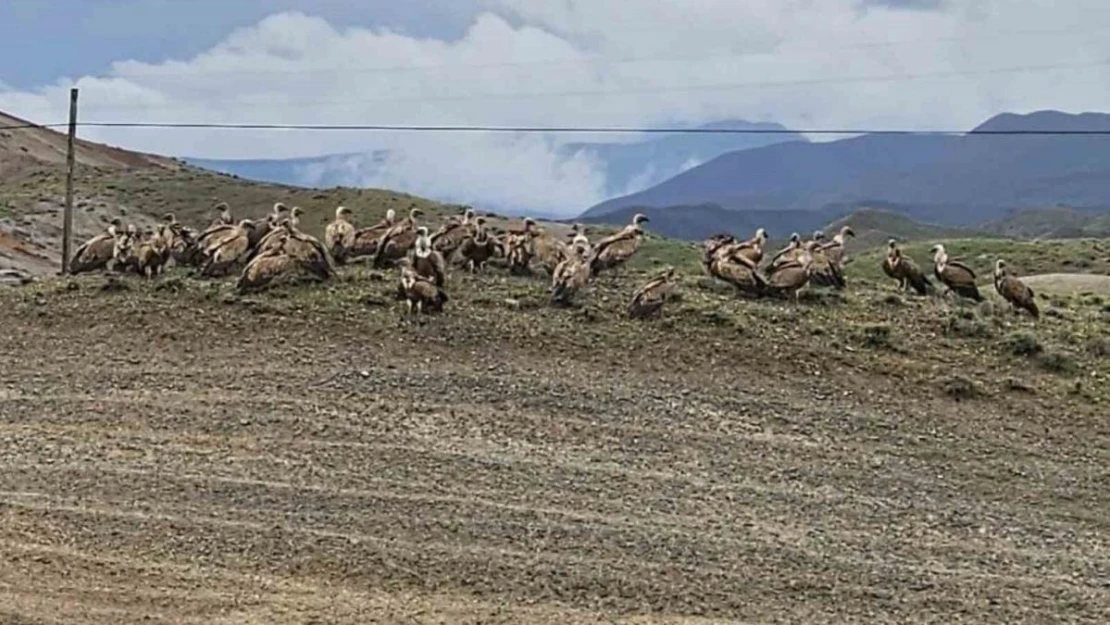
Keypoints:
pixel 71 162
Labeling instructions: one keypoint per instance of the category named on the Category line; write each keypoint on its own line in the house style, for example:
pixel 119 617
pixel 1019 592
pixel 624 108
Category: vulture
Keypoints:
pixel 264 225
pixel 725 260
pixel 310 254
pixel 97 252
pixel 396 242
pixel 834 250
pixel 580 241
pixel 518 246
pixel 366 239
pixel 478 248
pixel 1013 290
pixel 612 251
pixel 224 217
pixel 790 252
pixel 789 277
pixel 426 261
pixel 420 293
pixel 550 251
pixel 182 241
pixel 340 235
pixel 822 271
pixel 905 271
pixel 223 250
pixel 276 231
pixel 261 271
pixel 123 256
pixel 146 256
pixel 649 299
pixel 223 223
pixel 450 236
pixel 570 276
pixel 888 263
pixel 752 249
pixel 958 277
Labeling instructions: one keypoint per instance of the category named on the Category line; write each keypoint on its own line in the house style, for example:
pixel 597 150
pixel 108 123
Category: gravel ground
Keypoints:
pixel 171 455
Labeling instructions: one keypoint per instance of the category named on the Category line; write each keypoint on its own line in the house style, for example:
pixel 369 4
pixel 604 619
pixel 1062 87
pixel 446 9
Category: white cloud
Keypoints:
pixel 533 62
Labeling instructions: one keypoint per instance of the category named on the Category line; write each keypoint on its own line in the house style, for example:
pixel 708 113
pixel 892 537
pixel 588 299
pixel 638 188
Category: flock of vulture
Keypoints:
pixel 274 248
pixel 820 262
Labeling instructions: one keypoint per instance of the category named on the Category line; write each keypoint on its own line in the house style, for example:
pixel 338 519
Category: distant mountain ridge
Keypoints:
pixel 956 181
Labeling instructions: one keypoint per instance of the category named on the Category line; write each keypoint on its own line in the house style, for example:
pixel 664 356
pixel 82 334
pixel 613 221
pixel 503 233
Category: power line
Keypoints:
pixel 559 129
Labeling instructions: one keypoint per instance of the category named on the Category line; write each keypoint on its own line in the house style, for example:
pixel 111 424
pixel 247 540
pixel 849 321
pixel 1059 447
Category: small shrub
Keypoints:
pixel 959 325
pixel 1023 344
pixel 960 388
pixel 1099 347
pixel 1017 386
pixel 1057 362
pixel 875 336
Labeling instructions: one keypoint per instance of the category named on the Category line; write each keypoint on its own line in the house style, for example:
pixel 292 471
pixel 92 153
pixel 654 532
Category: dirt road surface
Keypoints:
pixel 170 460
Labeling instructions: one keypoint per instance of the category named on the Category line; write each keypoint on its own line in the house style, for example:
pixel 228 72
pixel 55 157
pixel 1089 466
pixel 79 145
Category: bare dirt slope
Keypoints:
pixel 173 454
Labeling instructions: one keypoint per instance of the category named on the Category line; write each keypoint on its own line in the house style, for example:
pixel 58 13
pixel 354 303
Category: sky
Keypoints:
pixel 923 64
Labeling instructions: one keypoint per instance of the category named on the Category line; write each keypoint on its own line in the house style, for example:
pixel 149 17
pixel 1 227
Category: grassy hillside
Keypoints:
pixel 1083 256
pixel 874 227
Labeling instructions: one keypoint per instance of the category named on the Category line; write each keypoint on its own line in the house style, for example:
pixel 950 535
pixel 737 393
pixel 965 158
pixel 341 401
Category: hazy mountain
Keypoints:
pixel 633 166
pixel 629 166
pixel 946 180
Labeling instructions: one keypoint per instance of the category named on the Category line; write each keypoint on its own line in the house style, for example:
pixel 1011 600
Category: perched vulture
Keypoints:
pixel 278 231
pixel 366 239
pixel 550 251
pixel 649 299
pixel 906 271
pixel 183 243
pixel 123 252
pixel 339 237
pixel 396 242
pixel 478 248
pixel 307 250
pixel 789 253
pixel 518 246
pixel 612 251
pixel 752 249
pixel 888 263
pixel 447 239
pixel 265 267
pixel 788 278
pixel 834 250
pixel 570 276
pixel 420 293
pixel 148 256
pixel 1013 290
pixel 426 261
pixel 225 214
pixel 223 250
pixel 222 224
pixel 958 277
pixel 264 225
pixel 97 252
pixel 725 260
pixel 822 271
